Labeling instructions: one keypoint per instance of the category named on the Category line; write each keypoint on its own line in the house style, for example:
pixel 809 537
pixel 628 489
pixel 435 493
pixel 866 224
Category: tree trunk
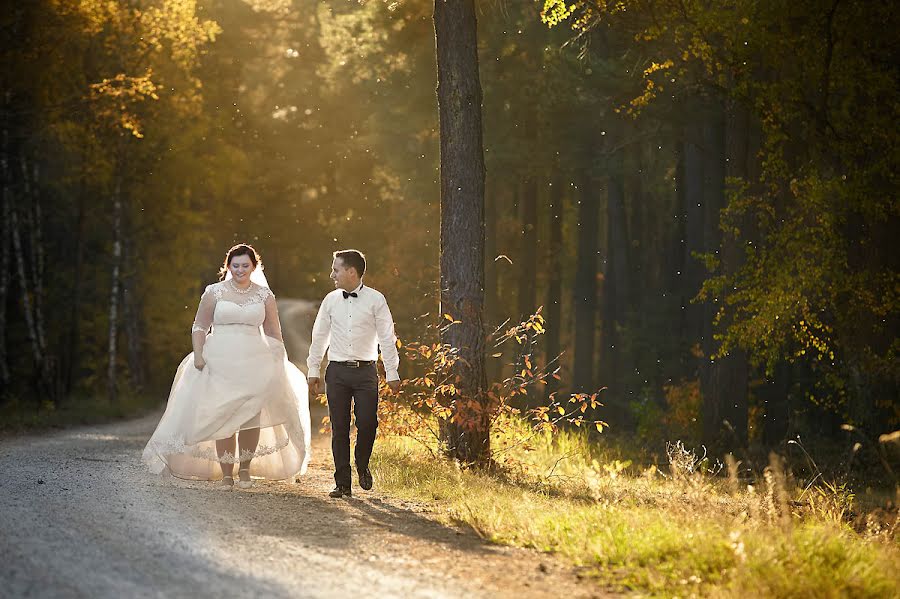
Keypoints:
pixel 674 260
pixel 775 395
pixel 734 369
pixel 47 379
pixel 4 256
pixel 131 304
pixel 35 243
pixel 111 374
pixel 638 276
pixel 491 302
pixel 24 285
pixel 723 381
pixel 71 351
pixel 27 309
pixel 492 313
pixel 553 313
pixel 615 284
pixel 527 267
pixel 585 299
pixel 4 291
pixel 693 274
pixel 462 220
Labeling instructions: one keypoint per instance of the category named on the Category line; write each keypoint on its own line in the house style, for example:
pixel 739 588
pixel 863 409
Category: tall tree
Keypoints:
pixel 725 378
pixel 692 272
pixel 20 225
pixel 554 262
pixel 527 266
pixel 615 275
pixel 4 240
pixel 112 391
pixel 720 428
pixel 462 220
pixel 585 288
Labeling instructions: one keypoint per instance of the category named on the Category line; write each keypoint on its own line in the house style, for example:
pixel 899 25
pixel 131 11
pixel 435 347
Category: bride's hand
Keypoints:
pixel 199 362
pixel 313 386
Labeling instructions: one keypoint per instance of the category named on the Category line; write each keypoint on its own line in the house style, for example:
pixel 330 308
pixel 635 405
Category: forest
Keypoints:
pixel 698 197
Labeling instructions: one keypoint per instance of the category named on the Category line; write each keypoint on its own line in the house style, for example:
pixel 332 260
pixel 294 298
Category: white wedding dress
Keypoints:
pixel 247 383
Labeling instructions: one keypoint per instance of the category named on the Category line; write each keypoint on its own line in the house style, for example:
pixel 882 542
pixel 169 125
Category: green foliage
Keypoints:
pixel 112 91
pixel 818 285
pixel 308 129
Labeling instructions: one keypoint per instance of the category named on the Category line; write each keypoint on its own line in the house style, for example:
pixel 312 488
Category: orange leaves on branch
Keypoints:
pixel 434 398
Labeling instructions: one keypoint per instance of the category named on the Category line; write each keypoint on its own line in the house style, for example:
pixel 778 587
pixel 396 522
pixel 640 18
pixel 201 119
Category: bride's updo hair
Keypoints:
pixel 241 249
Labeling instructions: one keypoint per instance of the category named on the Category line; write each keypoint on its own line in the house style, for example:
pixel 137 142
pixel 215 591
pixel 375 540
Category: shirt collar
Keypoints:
pixel 341 290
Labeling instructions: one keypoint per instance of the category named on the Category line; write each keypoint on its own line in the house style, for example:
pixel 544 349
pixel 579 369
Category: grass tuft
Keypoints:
pixel 683 531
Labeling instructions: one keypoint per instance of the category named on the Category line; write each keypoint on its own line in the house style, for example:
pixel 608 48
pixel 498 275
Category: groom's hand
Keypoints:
pixel 394 386
pixel 313 382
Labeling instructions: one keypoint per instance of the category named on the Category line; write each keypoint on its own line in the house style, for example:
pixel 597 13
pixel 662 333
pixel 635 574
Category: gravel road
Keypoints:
pixel 80 517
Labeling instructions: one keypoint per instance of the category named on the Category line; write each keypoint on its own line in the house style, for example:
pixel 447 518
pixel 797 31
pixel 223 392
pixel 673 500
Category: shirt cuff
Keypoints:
pixel 391 375
pixel 313 373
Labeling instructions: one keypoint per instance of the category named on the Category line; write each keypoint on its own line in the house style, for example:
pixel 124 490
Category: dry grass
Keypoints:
pixel 676 529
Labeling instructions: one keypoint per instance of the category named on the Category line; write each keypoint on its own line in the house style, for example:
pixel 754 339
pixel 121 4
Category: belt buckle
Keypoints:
pixel 352 363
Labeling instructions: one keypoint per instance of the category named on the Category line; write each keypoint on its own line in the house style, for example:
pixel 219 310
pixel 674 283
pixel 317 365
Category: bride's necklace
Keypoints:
pixel 238 289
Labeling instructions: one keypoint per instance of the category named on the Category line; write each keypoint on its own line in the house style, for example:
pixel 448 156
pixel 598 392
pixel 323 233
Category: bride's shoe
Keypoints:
pixel 245 484
pixel 226 484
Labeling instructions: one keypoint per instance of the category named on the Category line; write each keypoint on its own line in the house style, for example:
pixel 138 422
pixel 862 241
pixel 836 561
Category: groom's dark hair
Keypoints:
pixel 354 258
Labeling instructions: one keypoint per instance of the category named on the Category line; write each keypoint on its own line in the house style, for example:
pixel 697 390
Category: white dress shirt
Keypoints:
pixel 352 329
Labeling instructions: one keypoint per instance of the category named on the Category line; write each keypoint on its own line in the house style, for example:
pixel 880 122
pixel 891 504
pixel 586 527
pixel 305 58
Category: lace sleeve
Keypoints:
pixel 205 311
pixel 272 324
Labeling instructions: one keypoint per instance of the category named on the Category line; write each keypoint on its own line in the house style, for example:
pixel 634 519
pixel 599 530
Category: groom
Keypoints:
pixel 352 322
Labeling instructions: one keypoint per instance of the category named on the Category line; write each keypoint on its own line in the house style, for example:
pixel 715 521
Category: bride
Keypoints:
pixel 236 398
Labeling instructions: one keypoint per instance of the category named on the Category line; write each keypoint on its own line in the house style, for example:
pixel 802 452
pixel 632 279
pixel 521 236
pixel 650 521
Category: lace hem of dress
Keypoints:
pixel 199 329
pixel 178 446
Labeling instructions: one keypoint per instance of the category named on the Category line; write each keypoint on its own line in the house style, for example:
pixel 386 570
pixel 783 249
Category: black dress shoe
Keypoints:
pixel 341 491
pixel 365 479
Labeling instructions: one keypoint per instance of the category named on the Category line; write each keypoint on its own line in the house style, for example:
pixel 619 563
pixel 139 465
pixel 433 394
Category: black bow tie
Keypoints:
pixel 351 294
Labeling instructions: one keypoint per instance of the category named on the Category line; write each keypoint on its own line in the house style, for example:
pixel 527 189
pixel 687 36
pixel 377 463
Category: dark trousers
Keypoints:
pixel 343 384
